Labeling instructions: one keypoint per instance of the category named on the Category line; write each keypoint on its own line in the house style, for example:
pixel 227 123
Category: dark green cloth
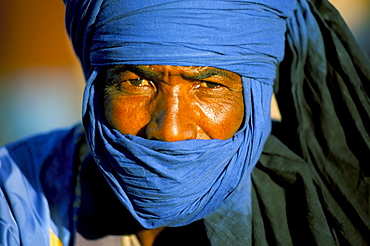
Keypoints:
pixel 312 184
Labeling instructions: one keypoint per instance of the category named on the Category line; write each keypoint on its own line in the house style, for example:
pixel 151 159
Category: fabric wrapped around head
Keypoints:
pixel 174 184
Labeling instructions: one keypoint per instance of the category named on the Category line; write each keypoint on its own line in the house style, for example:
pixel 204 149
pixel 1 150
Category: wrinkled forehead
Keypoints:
pixel 245 37
pixel 158 72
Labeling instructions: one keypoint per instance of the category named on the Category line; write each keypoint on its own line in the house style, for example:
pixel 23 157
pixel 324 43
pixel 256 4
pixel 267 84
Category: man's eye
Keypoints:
pixel 208 84
pixel 139 82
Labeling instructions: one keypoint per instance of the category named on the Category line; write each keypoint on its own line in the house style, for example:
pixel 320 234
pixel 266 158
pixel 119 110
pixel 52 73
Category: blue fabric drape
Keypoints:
pixel 173 184
pixel 36 188
pixel 225 34
pixel 23 208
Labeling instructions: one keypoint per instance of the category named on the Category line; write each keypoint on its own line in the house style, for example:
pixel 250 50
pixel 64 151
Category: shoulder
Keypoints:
pixel 59 145
pixel 37 183
pixel 49 160
pixel 37 180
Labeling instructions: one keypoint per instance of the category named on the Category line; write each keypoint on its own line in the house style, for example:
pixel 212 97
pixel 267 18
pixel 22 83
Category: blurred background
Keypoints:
pixel 41 82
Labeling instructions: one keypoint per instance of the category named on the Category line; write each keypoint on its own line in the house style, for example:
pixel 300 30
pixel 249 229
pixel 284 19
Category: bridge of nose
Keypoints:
pixel 172 116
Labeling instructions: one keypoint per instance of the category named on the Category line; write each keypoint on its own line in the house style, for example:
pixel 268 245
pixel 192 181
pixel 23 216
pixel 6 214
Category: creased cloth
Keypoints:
pixel 174 184
pixel 36 189
pixel 312 184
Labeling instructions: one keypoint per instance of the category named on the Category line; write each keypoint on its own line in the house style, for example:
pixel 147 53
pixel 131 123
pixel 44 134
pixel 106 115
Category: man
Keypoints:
pixel 176 114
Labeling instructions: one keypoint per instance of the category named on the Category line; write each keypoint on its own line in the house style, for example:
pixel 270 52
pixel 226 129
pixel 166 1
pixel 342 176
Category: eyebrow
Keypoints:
pixel 209 73
pixel 142 71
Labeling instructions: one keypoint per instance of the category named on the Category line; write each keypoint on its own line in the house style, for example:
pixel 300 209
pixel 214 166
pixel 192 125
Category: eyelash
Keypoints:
pixel 213 84
pixel 131 82
pixel 137 80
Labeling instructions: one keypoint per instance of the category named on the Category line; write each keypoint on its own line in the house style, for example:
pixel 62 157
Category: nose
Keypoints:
pixel 171 119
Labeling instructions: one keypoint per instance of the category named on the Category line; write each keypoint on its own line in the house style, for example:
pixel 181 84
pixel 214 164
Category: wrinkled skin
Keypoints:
pixel 173 103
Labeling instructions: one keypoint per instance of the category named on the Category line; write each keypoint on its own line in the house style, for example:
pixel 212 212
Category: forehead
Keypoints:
pixel 196 72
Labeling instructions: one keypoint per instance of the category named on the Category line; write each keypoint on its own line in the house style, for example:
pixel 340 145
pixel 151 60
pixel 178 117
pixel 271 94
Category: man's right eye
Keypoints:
pixel 138 82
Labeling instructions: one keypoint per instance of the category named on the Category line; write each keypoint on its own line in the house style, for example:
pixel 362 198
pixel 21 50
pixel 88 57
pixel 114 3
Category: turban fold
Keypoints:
pixel 174 184
pixel 246 37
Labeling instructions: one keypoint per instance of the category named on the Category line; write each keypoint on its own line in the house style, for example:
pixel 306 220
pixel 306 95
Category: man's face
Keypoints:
pixel 173 103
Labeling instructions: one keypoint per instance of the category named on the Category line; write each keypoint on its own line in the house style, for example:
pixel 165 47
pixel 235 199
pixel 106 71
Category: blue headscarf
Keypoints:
pixel 174 184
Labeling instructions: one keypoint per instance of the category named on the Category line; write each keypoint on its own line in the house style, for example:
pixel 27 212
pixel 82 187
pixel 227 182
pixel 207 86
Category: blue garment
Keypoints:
pixel 37 181
pixel 225 34
pixel 149 186
pixel 153 179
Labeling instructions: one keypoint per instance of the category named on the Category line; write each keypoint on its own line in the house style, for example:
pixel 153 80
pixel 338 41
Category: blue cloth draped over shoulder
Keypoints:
pixel 36 189
pixel 174 184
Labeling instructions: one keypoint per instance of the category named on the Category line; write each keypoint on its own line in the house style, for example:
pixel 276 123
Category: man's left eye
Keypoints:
pixel 208 84
pixel 139 82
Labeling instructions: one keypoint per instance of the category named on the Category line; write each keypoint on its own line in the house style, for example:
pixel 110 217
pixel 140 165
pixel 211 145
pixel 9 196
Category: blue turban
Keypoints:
pixel 174 184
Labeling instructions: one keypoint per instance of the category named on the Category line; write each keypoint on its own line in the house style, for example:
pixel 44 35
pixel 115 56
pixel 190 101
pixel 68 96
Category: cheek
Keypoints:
pixel 129 115
pixel 223 118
